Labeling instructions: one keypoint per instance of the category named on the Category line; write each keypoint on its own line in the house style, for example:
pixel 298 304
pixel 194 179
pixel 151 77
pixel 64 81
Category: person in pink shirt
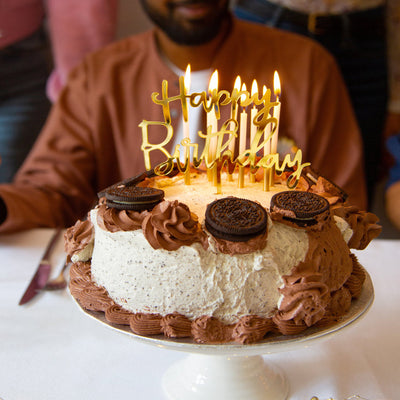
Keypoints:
pixel 36 35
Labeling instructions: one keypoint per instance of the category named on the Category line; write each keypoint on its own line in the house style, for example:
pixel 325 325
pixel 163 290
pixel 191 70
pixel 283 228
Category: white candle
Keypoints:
pixel 276 112
pixel 253 112
pixel 243 126
pixel 212 116
pixel 267 132
pixel 186 133
pixel 234 113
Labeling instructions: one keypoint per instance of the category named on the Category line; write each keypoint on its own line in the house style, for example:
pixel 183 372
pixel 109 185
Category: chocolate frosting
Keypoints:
pixel 356 279
pixel 77 237
pixel 176 325
pixel 287 327
pixel 305 298
pixel 117 315
pixel 340 302
pixel 326 189
pixel 146 324
pixel 114 220
pixel 208 329
pixel 253 244
pixel 251 329
pixel 171 225
pixel 81 270
pixel 364 225
pixel 328 255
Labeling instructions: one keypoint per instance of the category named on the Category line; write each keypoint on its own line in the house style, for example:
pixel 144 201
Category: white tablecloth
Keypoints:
pixel 51 350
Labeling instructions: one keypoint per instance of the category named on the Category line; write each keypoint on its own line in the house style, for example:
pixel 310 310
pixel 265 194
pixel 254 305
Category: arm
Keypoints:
pixel 55 184
pixel 77 27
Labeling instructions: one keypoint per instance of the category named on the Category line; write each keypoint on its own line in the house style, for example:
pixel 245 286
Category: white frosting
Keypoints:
pixel 344 228
pixel 193 281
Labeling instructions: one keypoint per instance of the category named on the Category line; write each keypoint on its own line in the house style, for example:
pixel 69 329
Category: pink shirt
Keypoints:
pixel 76 28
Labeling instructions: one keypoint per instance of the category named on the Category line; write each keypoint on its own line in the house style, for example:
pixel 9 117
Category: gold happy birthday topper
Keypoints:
pixel 219 141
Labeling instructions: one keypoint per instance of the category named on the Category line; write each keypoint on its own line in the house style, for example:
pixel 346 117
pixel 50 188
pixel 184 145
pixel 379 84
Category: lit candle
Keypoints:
pixel 276 112
pixel 253 113
pixel 234 111
pixel 185 116
pixel 267 149
pixel 242 135
pixel 212 116
pixel 267 132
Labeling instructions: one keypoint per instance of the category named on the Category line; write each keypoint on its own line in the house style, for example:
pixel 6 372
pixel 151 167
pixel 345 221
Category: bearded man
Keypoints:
pixel 92 138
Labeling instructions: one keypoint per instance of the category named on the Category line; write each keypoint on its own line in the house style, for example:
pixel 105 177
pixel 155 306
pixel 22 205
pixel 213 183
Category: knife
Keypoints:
pixel 42 272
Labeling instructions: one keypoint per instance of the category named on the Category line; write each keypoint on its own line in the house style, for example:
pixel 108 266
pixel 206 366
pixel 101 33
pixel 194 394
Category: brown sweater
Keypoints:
pixel 92 138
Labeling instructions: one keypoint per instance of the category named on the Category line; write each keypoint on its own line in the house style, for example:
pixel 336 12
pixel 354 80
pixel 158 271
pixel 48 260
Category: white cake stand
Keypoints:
pixel 233 371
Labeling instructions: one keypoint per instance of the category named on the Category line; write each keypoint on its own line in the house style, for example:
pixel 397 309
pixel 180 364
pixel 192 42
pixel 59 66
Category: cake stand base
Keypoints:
pixel 200 376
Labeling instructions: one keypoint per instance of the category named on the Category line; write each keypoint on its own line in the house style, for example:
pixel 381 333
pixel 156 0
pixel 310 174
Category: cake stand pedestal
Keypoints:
pixel 200 376
pixel 234 371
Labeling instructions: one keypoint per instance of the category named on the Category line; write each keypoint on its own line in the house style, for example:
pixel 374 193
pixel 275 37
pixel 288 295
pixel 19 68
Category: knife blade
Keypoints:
pixel 42 272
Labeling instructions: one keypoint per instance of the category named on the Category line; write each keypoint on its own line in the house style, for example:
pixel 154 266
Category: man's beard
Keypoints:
pixel 189 32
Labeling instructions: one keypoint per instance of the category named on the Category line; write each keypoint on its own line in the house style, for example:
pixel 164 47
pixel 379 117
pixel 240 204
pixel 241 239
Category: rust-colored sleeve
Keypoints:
pixel 53 187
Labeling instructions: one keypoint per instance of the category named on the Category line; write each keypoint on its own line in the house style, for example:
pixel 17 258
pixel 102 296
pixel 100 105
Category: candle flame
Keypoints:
pixel 277 84
pixel 187 80
pixel 264 89
pixel 237 83
pixel 213 85
pixel 254 88
pixel 243 96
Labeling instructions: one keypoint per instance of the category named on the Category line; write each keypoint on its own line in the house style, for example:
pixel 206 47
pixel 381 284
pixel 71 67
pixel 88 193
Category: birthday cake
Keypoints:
pixel 226 245
pixel 167 258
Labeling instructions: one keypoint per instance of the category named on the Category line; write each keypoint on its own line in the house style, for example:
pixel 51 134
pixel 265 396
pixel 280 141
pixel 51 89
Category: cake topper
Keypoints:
pixel 221 137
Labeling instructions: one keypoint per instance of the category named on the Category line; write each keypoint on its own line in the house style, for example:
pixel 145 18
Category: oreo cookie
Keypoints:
pixel 236 220
pixel 133 197
pixel 133 181
pixel 302 208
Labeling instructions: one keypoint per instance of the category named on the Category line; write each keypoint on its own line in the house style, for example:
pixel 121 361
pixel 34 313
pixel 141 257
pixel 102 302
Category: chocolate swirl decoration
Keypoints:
pixel 251 329
pixel 114 220
pixel 340 302
pixel 287 327
pixel 77 237
pixel 363 224
pixel 117 315
pixel 171 225
pixel 145 324
pixel 176 325
pixel 305 298
pixel 208 329
pixel 81 270
pixel 356 280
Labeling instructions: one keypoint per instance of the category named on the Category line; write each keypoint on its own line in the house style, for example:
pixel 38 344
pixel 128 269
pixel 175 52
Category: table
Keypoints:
pixel 49 349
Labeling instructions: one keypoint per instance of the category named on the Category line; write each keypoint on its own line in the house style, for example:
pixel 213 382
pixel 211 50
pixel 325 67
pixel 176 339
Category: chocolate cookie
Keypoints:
pixel 302 208
pixel 312 176
pixel 133 181
pixel 133 197
pixel 236 220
